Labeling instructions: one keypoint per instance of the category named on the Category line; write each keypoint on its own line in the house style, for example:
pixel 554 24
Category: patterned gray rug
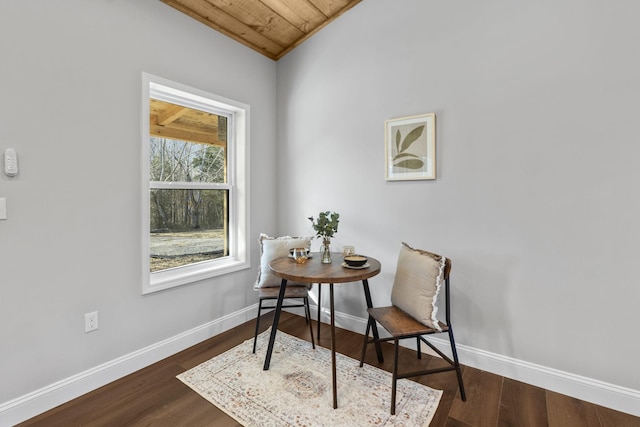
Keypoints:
pixel 296 390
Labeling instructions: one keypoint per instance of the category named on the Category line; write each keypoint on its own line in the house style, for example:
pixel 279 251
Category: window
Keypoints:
pixel 194 184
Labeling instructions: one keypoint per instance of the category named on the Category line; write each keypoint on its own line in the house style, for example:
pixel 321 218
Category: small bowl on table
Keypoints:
pixel 355 260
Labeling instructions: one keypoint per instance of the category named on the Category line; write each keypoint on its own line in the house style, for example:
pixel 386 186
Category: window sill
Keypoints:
pixel 171 278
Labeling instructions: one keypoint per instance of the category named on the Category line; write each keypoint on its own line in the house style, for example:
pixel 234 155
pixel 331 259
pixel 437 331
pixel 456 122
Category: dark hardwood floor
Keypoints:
pixel 154 397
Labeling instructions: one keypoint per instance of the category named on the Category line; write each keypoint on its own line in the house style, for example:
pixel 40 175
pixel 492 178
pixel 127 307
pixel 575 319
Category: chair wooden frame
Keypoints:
pixel 402 326
pixel 292 292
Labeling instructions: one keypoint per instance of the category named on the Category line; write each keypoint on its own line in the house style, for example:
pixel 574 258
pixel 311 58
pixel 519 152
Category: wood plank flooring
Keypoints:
pixel 154 397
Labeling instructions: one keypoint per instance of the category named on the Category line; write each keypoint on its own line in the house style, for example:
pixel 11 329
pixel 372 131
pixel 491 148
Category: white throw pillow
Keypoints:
pixel 272 248
pixel 417 283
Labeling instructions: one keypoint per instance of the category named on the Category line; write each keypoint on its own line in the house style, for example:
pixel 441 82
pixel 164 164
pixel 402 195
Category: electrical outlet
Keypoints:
pixel 91 321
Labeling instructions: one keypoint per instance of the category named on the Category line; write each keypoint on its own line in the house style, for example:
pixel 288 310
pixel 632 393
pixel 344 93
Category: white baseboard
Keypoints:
pixel 34 403
pixel 588 389
pixel 39 401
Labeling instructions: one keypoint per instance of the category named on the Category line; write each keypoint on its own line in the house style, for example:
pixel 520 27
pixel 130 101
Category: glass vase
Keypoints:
pixel 325 252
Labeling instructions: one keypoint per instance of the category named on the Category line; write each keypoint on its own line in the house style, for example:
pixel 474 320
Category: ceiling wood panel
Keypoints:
pixel 302 14
pixel 271 27
pixel 328 7
pixel 215 18
pixel 262 19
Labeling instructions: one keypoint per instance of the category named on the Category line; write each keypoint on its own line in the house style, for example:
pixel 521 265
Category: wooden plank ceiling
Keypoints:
pixel 271 27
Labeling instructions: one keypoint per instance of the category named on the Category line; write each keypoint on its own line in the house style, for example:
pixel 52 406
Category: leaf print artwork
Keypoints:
pixel 410 148
pixel 400 160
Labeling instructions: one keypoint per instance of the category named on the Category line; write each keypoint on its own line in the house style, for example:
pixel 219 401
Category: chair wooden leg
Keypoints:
pixel 463 396
pixel 255 336
pixel 307 314
pixel 396 344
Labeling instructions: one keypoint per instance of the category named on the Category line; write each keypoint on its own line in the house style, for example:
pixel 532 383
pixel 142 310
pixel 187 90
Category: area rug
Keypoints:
pixel 296 390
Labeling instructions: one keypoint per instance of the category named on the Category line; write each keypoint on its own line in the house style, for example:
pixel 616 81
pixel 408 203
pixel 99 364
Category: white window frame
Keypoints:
pixel 237 183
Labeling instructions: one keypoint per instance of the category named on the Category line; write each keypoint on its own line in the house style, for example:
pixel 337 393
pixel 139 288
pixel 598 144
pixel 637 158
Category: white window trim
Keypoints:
pixel 238 178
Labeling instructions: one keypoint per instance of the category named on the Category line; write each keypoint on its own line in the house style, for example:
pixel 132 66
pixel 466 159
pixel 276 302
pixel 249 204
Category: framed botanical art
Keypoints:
pixel 410 148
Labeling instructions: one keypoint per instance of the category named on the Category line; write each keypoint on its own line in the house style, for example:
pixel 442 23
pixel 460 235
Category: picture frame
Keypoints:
pixel 410 148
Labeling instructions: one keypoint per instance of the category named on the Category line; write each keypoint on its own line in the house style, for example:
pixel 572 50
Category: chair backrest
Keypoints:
pixel 447 268
pixel 447 299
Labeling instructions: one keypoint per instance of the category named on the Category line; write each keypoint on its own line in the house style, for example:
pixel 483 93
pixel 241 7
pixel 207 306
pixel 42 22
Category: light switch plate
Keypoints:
pixel 3 208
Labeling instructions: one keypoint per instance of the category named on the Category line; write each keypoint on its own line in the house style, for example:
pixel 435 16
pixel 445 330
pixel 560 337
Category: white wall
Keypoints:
pixel 70 106
pixel 536 200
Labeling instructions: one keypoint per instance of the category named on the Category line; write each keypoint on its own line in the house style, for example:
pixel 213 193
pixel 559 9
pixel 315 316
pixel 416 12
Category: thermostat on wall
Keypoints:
pixel 10 162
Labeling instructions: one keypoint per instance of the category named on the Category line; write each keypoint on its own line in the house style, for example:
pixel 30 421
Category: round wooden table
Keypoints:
pixel 313 271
